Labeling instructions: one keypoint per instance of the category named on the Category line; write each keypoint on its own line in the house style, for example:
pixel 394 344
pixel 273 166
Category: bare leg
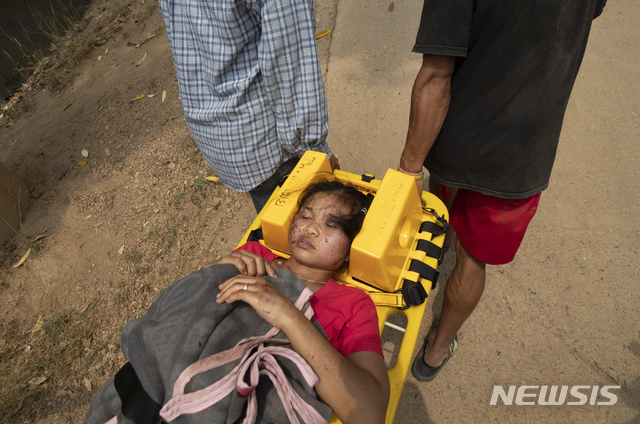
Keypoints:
pixel 462 293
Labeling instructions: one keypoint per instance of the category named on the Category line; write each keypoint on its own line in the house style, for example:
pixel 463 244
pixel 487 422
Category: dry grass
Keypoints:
pixel 60 350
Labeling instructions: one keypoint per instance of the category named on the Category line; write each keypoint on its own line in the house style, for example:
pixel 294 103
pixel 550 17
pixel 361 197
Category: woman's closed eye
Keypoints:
pixel 334 222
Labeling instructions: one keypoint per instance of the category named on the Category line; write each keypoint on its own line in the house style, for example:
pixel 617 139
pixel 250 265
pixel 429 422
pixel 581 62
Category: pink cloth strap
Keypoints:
pixel 260 361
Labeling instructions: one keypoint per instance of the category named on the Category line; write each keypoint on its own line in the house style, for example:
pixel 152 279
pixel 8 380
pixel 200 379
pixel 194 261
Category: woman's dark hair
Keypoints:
pixel 356 202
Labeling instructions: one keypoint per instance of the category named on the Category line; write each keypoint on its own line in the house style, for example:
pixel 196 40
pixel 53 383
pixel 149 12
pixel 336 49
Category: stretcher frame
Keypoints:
pixel 399 246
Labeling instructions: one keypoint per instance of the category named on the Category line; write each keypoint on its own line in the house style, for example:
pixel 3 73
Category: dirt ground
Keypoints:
pixel 107 237
pixel 117 231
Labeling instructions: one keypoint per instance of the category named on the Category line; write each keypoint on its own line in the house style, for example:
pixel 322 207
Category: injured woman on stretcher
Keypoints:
pixel 254 337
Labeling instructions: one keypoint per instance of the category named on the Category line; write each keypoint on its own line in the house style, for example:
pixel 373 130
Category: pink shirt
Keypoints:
pixel 347 314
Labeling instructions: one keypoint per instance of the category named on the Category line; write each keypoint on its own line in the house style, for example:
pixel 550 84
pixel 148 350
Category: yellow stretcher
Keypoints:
pixel 394 258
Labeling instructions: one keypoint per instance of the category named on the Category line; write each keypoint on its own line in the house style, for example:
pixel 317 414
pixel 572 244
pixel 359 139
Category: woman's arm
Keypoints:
pixel 355 387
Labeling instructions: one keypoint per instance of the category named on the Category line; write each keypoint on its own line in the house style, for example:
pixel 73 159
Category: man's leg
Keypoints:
pixel 493 230
pixel 462 294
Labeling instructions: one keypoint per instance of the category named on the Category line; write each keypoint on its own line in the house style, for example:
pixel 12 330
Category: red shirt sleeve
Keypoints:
pixel 258 249
pixel 348 316
pixel 361 332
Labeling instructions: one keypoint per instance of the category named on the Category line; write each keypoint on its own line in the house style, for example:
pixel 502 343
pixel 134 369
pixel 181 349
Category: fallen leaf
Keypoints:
pixel 66 107
pixel 145 40
pixel 81 163
pixel 15 140
pixel 83 307
pixel 107 151
pixel 141 60
pixel 87 383
pixel 151 95
pixel 164 95
pixel 138 97
pixel 40 237
pixel 106 50
pixel 213 178
pixel 121 250
pixel 99 57
pixel 85 153
pixel 38 325
pixel 323 34
pixel 23 260
pixel 36 381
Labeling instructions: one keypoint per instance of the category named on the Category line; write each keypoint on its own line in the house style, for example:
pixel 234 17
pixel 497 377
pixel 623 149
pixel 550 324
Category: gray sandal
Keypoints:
pixel 423 372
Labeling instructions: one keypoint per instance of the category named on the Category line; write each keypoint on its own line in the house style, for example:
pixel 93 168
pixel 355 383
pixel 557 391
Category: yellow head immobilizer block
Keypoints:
pixel 379 251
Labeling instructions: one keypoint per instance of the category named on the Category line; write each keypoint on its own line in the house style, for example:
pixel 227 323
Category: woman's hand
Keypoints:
pixel 247 263
pixel 268 302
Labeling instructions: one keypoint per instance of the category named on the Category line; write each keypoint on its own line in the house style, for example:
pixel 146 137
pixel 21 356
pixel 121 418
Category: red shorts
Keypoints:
pixel 490 228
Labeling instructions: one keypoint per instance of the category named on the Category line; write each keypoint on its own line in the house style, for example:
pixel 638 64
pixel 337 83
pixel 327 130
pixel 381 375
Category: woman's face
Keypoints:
pixel 314 239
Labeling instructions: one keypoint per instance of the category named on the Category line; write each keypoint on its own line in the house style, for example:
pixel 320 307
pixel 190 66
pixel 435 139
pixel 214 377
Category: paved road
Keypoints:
pixel 565 312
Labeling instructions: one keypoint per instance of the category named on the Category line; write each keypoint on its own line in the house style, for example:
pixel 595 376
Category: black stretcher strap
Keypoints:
pixel 255 235
pixel 440 219
pixel 432 227
pixel 429 248
pixel 425 271
pixel 413 293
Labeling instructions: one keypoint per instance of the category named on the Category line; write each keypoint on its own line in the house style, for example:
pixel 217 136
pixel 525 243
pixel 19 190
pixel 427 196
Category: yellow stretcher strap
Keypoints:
pixel 387 299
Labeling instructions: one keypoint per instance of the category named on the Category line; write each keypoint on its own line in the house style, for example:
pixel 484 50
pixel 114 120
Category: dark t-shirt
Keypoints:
pixel 516 64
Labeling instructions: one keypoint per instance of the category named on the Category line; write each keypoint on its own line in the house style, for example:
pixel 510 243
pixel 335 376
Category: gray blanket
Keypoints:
pixel 182 326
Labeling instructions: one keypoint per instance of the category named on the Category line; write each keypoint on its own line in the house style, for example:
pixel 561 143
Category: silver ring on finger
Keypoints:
pixel 245 286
